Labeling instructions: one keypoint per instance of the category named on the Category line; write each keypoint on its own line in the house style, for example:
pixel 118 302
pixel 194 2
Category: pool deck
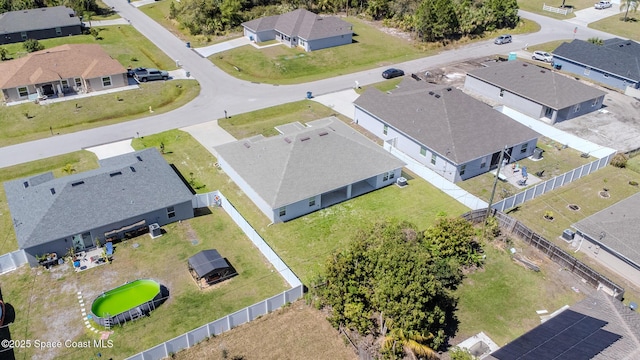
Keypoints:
pixel 90 259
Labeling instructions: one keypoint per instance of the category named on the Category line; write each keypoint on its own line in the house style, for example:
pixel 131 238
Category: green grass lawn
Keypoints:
pixel 615 25
pixel 555 161
pixel 26 122
pixel 548 46
pixel 45 301
pixel 124 43
pixel 159 12
pixel 535 6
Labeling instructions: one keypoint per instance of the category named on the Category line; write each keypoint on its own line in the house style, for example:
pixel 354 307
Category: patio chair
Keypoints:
pixel 109 246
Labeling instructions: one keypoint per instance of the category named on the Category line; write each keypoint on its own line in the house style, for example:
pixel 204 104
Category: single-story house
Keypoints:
pixel 76 68
pixel 443 128
pixel 208 267
pixel 616 63
pixel 118 200
pixel 300 28
pixel 307 168
pixel 38 24
pixel 611 236
pixel 599 327
pixel 534 91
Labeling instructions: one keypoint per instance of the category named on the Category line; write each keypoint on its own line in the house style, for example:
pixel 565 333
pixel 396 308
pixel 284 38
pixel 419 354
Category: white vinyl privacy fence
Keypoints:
pixel 12 261
pixel 219 326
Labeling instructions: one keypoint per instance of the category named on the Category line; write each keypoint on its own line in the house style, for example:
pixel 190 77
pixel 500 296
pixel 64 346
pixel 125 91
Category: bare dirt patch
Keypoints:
pixel 294 332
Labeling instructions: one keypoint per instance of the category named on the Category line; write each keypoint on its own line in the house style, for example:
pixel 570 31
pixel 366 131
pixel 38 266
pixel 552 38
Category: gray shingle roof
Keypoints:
pixel 103 196
pixel 303 24
pixel 619 222
pixel 617 56
pixel 36 19
pixel 325 156
pixel 445 119
pixel 207 261
pixel 619 320
pixel 537 84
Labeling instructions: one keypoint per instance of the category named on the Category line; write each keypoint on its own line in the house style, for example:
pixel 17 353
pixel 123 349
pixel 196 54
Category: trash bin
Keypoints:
pixel 187 73
pixel 309 95
pixel 188 44
pixel 558 66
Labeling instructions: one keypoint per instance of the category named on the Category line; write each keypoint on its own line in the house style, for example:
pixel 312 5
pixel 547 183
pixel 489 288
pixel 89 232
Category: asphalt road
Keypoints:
pixel 220 91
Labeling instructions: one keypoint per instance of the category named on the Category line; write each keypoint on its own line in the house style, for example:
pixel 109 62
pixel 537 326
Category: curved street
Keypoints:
pixel 220 91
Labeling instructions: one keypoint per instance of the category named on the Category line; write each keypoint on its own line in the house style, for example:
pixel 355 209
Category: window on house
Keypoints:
pixel 385 130
pixel 463 168
pixel 312 201
pixel 78 82
pixel 385 177
pixel 283 211
pixel 64 83
pixel 523 148
pixel 391 175
pixel 501 92
pixel 423 151
pixel 171 212
pixel 24 35
pixel 483 163
pixel 58 31
pixel 433 158
pixel 106 81
pixel 587 70
pixel 576 108
pixel 23 92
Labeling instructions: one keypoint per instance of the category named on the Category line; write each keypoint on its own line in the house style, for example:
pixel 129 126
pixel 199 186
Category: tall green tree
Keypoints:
pixel 626 5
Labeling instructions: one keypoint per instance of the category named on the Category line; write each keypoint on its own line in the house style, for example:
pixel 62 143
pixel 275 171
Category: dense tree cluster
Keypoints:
pixel 430 20
pixel 395 281
pixel 79 6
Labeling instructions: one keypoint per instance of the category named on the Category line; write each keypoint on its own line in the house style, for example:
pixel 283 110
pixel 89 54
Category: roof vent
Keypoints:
pixel 323 133
pixel 132 169
pixel 448 89
pixel 431 93
pixel 139 158
pixel 115 173
pixel 77 183
pixel 525 64
pixel 437 96
pixel 305 138
pixel 247 145
pixel 53 191
pixel 542 71
pixel 25 184
pixel 287 140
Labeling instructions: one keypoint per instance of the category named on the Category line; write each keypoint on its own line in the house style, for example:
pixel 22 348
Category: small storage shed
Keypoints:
pixel 208 267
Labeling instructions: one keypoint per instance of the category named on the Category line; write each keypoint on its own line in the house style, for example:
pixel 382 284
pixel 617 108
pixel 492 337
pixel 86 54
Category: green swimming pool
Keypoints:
pixel 127 302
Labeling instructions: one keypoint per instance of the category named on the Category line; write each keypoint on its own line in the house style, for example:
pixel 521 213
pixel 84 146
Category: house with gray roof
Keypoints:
pixel 307 167
pixel 600 327
pixel 118 200
pixel 616 63
pixel 300 28
pixel 611 236
pixel 38 24
pixel 443 128
pixel 534 91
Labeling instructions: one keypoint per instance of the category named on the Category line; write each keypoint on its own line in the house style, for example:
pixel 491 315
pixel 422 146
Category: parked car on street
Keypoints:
pixel 502 39
pixel 602 5
pixel 542 56
pixel 150 74
pixel 391 73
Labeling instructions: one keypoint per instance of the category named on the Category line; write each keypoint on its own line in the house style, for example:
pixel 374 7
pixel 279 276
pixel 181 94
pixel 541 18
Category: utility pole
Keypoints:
pixel 495 183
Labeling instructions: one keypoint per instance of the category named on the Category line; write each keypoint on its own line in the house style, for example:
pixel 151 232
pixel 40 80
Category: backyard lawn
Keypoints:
pixel 555 161
pixel 624 29
pixel 26 122
pixel 46 303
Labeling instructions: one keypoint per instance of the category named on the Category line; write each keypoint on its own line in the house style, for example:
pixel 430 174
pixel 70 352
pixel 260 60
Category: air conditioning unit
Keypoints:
pixel 401 181
pixel 568 235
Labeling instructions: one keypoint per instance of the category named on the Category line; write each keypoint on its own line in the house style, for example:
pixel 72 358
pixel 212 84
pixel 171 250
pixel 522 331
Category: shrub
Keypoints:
pixel 31 45
pixel 619 161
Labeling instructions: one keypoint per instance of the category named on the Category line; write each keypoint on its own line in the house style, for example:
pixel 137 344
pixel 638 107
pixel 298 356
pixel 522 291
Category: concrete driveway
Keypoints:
pixel 586 16
pixel 223 46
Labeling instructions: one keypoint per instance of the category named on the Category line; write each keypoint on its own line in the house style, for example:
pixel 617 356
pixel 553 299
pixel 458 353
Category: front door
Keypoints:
pixel 47 89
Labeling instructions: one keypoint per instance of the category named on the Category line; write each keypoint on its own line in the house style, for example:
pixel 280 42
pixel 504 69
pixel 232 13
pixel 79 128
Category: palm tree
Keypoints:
pixel 628 5
pixel 412 343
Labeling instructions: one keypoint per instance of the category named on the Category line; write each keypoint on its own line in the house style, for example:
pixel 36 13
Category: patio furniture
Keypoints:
pixel 109 249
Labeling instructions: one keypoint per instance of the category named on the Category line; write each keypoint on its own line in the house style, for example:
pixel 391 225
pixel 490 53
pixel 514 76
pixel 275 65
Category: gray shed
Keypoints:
pixel 208 267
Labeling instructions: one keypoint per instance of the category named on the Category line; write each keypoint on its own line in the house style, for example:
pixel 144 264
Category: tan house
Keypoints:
pixel 66 69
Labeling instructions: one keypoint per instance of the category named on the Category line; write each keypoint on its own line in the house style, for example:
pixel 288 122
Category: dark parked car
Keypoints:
pixel 391 73
pixel 502 39
pixel 131 72
pixel 151 74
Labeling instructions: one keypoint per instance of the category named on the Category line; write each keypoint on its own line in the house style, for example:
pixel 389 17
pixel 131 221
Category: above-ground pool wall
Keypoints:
pixel 135 312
